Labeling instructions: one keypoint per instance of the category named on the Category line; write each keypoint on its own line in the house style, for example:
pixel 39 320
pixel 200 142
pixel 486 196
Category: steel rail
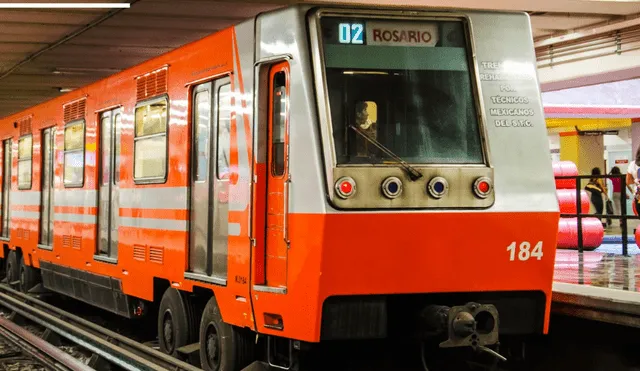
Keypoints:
pixel 111 346
pixel 38 349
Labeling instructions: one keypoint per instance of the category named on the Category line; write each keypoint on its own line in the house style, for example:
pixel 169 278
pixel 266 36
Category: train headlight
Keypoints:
pixel 392 187
pixel 482 187
pixel 345 187
pixel 438 187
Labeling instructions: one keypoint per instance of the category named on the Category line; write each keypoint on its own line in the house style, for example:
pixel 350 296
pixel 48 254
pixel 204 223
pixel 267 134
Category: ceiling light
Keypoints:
pixel 83 70
pixel 65 6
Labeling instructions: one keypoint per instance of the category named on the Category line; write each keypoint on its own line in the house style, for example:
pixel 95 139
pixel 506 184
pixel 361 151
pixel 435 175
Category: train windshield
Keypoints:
pixel 404 86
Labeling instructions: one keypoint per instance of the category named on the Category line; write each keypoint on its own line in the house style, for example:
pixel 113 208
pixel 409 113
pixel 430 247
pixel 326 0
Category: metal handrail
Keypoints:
pixel 580 215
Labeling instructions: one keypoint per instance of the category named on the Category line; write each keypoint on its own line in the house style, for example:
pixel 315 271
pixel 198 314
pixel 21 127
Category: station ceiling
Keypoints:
pixel 44 52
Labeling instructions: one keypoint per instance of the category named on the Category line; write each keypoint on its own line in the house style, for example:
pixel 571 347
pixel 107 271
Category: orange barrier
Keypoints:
pixel 567 201
pixel 592 229
pixel 565 168
pixel 592 233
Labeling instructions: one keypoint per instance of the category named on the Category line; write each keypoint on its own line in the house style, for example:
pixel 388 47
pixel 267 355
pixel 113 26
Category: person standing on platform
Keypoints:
pixel 616 194
pixel 633 178
pixel 597 189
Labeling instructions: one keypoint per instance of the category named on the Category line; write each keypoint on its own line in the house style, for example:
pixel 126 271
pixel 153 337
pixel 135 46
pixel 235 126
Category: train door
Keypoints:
pixel 6 187
pixel 108 192
pixel 208 249
pixel 46 207
pixel 277 197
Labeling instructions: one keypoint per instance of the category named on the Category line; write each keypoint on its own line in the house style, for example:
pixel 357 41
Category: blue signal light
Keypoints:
pixel 393 187
pixel 438 187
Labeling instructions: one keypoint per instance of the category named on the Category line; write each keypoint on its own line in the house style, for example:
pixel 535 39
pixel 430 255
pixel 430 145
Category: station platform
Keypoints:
pixel 601 285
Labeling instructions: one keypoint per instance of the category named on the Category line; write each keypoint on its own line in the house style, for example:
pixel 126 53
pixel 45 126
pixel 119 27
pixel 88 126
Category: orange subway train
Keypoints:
pixel 313 174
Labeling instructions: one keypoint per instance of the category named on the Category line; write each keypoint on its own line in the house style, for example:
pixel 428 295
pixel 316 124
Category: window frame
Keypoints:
pixel 321 83
pixel 65 151
pixel 159 179
pixel 20 139
pixel 282 65
pixel 284 128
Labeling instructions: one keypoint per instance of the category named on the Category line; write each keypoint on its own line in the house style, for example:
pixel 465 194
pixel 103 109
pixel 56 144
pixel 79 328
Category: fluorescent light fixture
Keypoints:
pixel 364 73
pixel 65 90
pixel 82 70
pixel 64 5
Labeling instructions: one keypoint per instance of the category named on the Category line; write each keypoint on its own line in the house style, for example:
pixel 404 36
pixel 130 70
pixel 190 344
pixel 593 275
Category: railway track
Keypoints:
pixel 105 347
pixel 21 346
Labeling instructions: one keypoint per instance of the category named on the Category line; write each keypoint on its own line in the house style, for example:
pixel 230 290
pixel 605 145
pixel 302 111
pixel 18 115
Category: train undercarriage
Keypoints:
pixel 422 333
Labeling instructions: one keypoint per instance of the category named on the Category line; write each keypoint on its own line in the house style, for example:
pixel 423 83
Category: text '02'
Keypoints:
pixel 351 33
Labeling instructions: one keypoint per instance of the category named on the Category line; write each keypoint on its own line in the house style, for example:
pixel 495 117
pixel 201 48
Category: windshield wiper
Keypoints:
pixel 411 171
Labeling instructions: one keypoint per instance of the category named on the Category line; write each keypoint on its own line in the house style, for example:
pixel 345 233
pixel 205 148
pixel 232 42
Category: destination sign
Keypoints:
pixel 402 34
pixel 388 33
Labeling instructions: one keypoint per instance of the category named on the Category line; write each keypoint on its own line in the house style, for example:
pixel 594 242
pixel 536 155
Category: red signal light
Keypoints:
pixel 345 187
pixel 482 187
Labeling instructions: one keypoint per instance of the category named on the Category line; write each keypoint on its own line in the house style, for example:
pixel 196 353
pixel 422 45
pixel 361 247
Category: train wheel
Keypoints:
pixel 174 317
pixel 223 347
pixel 29 277
pixel 12 272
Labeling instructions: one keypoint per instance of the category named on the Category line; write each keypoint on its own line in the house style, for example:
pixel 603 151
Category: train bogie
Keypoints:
pixel 312 174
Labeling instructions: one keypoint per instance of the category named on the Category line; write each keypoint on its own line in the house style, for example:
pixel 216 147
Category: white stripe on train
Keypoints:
pixel 163 198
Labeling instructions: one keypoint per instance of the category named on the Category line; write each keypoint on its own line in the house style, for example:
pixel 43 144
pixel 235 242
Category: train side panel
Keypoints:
pixel 153 216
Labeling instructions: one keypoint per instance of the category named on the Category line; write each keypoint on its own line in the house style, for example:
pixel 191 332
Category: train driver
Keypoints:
pixel 364 148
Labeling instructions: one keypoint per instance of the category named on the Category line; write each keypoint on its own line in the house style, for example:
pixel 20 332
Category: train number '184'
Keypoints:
pixel 524 251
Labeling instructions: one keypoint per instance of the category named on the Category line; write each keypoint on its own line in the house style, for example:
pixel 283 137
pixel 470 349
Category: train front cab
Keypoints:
pixel 416 195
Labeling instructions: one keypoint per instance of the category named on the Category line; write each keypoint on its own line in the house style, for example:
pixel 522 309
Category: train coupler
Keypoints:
pixel 471 325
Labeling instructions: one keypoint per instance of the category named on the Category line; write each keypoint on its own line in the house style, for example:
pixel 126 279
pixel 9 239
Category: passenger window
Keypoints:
pixel 25 151
pixel 74 154
pixel 202 124
pixel 150 142
pixel 279 124
pixel 224 124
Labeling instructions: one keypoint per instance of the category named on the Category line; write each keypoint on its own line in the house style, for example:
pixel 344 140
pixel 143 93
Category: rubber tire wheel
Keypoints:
pixel 12 270
pixel 180 309
pixel 29 276
pixel 235 347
